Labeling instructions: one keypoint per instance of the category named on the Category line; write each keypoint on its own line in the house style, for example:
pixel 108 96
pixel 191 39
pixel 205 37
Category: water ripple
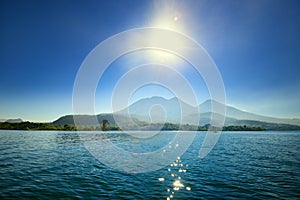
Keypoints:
pixel 47 165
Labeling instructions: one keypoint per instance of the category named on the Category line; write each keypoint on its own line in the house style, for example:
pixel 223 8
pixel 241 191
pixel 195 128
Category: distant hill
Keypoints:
pixel 19 120
pixel 95 121
pixel 86 120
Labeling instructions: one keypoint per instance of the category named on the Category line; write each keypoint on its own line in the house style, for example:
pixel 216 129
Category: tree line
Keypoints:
pixel 107 127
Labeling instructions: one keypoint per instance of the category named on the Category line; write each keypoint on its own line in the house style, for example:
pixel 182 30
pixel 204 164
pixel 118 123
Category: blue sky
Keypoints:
pixel 254 43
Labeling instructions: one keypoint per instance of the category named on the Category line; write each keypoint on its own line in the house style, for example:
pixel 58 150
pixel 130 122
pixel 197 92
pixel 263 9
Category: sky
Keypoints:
pixel 254 44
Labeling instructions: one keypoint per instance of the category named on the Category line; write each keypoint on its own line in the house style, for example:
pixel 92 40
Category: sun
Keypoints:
pixel 167 16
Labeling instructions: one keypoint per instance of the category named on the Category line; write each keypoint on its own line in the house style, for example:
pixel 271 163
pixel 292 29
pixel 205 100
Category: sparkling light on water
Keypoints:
pixel 161 179
pixel 176 170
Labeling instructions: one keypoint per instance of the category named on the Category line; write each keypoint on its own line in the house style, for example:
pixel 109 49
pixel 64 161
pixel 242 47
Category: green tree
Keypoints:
pixel 104 124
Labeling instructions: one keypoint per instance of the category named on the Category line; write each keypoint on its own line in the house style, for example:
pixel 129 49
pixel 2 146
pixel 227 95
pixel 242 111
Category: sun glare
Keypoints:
pixel 167 16
pixel 162 57
pixel 168 22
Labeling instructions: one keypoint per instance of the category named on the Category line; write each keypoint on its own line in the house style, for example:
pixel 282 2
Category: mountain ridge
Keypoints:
pixel 244 115
pixel 140 112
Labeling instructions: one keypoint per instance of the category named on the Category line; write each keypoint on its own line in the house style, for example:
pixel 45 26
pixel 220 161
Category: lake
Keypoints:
pixel 242 165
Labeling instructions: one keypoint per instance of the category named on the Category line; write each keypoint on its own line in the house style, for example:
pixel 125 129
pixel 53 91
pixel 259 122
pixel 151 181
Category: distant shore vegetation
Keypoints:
pixel 154 126
pixel 35 126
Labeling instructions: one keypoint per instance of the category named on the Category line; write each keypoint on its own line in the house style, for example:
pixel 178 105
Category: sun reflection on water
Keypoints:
pixel 176 171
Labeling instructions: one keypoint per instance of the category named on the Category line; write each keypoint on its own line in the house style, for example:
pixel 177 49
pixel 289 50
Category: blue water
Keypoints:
pixel 243 165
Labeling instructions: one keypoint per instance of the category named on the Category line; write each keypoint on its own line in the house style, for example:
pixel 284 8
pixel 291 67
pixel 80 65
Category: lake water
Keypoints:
pixel 47 165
